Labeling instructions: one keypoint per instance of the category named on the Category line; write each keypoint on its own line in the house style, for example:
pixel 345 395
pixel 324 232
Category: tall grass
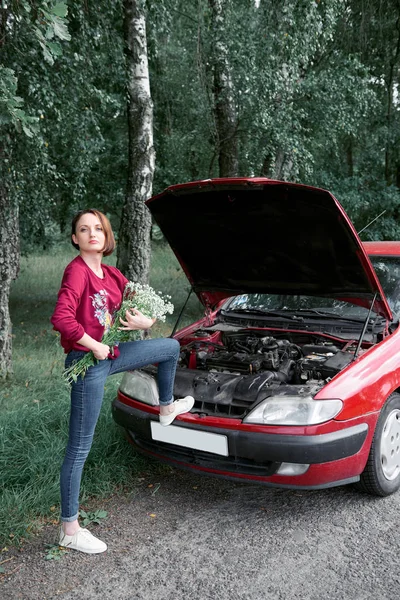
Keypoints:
pixel 34 403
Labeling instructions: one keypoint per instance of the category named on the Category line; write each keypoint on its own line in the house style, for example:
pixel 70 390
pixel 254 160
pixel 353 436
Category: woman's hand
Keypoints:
pixel 101 351
pixel 136 320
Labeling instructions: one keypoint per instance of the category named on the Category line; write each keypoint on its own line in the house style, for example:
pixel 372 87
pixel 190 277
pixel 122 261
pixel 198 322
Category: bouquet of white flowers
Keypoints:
pixel 136 295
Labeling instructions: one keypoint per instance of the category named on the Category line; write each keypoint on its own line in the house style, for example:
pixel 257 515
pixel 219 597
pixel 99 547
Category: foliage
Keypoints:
pixel 96 516
pixel 11 110
pixel 311 104
pixel 45 23
pixel 76 156
pixel 54 552
pixel 315 86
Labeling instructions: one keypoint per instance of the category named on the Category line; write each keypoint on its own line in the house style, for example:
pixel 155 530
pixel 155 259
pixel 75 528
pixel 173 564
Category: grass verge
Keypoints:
pixel 34 403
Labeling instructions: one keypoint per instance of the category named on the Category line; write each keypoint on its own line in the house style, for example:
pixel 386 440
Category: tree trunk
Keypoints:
pixel 390 89
pixel 350 157
pixel 279 164
pixel 9 267
pixel 134 234
pixel 267 165
pixel 9 239
pixel 224 103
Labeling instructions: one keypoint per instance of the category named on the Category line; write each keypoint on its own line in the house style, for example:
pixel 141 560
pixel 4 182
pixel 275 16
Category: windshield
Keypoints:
pixel 387 268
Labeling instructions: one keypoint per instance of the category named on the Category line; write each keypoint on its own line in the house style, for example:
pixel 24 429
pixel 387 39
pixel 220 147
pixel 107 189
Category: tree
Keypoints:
pixel 363 163
pixel 134 233
pixel 9 267
pixel 46 24
pixel 304 90
pixel 226 122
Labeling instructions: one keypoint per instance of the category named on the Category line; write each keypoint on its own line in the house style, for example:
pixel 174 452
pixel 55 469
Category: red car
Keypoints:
pixel 295 366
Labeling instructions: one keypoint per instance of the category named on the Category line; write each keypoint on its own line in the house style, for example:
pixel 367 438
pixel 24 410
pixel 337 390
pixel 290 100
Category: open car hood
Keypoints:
pixel 235 236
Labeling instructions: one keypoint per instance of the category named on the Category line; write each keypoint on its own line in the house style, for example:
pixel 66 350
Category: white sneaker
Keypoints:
pixel 83 541
pixel 180 406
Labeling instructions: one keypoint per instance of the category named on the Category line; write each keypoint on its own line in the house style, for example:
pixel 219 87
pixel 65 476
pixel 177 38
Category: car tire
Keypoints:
pixel 381 476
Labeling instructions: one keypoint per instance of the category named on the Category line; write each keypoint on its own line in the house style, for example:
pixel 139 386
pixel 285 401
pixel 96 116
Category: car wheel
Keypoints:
pixel 381 475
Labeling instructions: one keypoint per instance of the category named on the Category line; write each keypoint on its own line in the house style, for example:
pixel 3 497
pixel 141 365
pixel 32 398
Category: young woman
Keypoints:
pixel 89 295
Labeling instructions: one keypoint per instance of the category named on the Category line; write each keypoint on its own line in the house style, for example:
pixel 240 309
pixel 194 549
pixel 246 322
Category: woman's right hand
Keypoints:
pixel 101 351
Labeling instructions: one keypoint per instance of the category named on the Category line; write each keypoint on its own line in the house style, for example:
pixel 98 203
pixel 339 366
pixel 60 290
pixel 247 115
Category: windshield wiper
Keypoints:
pixel 321 313
pixel 266 313
pixel 294 317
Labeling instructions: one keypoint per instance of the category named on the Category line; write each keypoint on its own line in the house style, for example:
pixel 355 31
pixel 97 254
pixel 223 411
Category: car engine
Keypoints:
pixel 228 371
pixel 286 359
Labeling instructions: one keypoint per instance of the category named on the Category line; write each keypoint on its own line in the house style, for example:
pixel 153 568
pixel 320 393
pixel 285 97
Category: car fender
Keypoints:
pixel 365 384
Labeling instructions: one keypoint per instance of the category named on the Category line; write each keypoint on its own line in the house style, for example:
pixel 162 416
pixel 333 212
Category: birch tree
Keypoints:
pixel 134 233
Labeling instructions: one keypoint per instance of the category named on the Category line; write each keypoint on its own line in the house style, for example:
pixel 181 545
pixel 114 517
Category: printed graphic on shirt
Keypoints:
pixel 101 312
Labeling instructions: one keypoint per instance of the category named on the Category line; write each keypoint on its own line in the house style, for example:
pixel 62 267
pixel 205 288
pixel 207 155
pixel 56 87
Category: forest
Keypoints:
pixel 105 103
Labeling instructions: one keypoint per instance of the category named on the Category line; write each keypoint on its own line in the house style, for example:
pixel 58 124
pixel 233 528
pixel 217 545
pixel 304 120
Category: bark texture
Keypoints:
pixel 224 103
pixel 9 238
pixel 134 233
pixel 9 267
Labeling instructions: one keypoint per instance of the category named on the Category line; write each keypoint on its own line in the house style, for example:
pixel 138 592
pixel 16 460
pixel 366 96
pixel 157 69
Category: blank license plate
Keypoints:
pixel 190 438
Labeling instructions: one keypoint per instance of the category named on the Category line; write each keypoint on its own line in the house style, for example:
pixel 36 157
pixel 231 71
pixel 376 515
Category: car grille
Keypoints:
pixel 236 409
pixel 229 464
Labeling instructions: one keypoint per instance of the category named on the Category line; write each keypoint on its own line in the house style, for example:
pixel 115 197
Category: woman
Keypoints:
pixel 89 295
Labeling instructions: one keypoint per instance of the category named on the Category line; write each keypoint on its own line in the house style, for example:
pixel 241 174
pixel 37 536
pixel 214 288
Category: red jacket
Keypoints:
pixel 86 303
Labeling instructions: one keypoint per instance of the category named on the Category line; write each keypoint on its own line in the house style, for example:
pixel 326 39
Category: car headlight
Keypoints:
pixel 294 410
pixel 140 386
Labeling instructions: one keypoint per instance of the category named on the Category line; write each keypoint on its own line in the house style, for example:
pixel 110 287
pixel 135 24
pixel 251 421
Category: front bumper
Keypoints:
pixel 252 455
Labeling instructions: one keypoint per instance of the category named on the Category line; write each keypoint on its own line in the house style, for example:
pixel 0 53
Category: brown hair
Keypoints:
pixel 109 245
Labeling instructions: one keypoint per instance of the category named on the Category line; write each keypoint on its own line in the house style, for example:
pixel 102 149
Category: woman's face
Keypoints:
pixel 89 234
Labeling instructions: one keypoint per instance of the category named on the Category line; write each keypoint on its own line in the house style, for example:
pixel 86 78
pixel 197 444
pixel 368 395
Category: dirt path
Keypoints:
pixel 180 536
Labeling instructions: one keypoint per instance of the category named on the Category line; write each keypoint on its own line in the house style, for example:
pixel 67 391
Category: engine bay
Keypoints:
pixel 229 369
pixel 293 358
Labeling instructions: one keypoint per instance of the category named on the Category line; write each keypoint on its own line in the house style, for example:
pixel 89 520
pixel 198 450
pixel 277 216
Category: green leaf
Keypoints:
pixel 55 48
pixel 60 9
pixel 49 33
pixel 18 113
pixel 54 552
pixel 101 514
pixel 27 130
pixel 48 57
pixel 92 517
pixel 17 100
pixel 60 29
pixel 26 6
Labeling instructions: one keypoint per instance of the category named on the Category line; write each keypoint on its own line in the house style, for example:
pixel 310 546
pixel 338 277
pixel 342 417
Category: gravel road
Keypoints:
pixel 181 536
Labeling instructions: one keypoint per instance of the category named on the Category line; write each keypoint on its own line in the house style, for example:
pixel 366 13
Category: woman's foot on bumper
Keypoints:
pixel 179 407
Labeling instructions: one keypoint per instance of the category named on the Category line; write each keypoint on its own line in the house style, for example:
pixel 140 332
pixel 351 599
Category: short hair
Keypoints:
pixel 109 245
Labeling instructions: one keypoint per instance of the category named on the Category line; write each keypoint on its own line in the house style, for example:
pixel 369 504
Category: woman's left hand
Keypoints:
pixel 136 320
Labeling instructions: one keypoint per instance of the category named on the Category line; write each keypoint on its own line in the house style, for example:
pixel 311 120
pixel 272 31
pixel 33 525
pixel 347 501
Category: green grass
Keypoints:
pixel 34 402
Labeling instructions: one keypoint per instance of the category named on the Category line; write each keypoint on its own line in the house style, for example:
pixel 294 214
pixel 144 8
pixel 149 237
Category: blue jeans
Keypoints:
pixel 86 399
